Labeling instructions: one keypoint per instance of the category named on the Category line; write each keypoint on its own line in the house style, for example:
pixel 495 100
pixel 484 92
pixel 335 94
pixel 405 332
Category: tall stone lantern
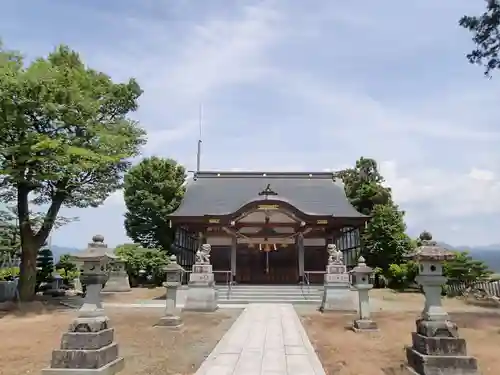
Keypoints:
pixel 363 285
pixel 173 272
pixel 118 278
pixel 88 347
pixel 94 274
pixel 436 346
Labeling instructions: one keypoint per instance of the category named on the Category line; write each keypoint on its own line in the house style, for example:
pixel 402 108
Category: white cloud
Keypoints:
pixel 482 175
pixel 443 193
pixel 216 53
pixel 290 86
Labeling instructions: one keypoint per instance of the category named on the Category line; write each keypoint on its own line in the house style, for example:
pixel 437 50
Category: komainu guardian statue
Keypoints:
pixel 334 256
pixel 203 254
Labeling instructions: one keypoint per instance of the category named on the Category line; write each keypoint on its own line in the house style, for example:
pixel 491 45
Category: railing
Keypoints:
pixel 306 280
pixel 309 273
pixel 459 289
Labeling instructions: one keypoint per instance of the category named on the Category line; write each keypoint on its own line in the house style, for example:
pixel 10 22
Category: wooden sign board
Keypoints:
pixel 268 207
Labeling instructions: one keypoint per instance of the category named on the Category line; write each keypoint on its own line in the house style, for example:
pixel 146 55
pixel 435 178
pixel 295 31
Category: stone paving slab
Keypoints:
pixel 266 339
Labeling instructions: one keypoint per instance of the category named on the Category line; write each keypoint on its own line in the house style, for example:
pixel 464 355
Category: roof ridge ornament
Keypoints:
pixel 267 191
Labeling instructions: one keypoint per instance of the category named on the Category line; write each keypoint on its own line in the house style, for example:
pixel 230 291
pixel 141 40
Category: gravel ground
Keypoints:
pixel 28 339
pixel 343 352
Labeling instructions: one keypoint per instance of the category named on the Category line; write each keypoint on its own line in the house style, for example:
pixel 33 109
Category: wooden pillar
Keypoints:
pixel 234 243
pixel 300 247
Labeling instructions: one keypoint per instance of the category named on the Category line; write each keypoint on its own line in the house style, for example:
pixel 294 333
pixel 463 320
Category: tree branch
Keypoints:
pixel 50 218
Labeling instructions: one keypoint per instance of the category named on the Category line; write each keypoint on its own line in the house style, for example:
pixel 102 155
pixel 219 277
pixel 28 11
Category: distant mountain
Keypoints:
pixel 489 254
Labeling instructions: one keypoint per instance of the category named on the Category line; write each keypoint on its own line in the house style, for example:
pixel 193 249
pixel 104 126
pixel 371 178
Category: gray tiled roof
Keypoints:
pixel 220 193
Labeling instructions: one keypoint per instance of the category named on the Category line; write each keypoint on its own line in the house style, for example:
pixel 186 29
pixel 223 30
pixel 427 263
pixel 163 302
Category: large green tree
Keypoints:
pixel 465 269
pixel 138 259
pixel 363 185
pixel 384 238
pixel 153 189
pixel 65 140
pixel 486 36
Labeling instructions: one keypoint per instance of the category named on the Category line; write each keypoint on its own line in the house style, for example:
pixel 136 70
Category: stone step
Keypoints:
pixel 246 301
pixel 267 286
pixel 268 297
pixel 269 292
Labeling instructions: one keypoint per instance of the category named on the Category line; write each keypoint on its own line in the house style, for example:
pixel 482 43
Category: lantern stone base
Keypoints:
pixel 337 297
pixel 201 298
pixel 201 295
pixel 437 349
pixel 172 321
pixel 336 292
pixel 117 283
pixel 87 348
pixel 364 325
pixel 423 364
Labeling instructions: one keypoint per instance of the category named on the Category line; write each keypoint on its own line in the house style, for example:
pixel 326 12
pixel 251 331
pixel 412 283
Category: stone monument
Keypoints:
pixel 118 277
pixel 173 273
pixel 88 347
pixel 362 284
pixel 336 292
pixel 436 346
pixel 201 294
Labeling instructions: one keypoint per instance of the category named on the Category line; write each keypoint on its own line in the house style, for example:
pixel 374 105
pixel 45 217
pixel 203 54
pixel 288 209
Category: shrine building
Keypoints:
pixel 267 227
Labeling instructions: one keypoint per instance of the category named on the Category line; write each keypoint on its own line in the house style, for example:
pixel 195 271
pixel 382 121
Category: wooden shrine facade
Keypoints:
pixel 268 228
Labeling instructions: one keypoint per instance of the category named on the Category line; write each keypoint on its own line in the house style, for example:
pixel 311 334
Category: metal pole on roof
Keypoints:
pixel 198 154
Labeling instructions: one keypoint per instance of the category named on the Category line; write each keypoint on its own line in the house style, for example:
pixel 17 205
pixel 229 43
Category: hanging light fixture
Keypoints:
pixel 266 247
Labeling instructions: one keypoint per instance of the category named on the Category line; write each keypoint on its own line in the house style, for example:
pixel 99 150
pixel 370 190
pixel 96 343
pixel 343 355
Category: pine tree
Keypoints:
pixel 45 265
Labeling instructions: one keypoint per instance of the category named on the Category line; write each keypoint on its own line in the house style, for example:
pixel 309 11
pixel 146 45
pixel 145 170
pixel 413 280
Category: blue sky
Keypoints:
pixel 296 85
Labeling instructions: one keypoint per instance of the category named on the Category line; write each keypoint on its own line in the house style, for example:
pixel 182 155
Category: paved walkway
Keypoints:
pixel 266 339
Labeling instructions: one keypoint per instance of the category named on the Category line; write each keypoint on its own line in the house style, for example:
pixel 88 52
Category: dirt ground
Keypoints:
pixel 136 294
pixel 27 340
pixel 343 352
pixel 389 300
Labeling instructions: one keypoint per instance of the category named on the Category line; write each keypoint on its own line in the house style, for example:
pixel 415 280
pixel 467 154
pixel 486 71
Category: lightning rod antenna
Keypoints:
pixel 198 154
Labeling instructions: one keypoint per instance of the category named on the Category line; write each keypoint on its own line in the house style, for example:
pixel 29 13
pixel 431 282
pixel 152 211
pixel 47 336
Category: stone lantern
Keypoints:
pixel 436 347
pixel 363 285
pixel 89 346
pixel 118 278
pixel 94 274
pixel 173 273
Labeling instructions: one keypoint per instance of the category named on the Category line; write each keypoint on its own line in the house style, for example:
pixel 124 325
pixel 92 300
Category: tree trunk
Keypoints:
pixel 27 279
pixel 30 241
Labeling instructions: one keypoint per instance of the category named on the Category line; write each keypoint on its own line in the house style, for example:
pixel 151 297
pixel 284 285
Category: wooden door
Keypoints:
pixel 258 267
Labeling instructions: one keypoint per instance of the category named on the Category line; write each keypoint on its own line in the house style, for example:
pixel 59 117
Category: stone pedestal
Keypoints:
pixel 77 285
pixel 436 346
pixel 87 348
pixel 118 279
pixel 437 349
pixel 201 294
pixel 336 292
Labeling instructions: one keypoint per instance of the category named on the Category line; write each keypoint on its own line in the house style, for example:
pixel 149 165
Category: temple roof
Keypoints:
pixel 222 193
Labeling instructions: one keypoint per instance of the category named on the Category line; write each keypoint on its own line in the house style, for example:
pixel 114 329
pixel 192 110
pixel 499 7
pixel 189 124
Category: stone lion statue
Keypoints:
pixel 334 255
pixel 203 254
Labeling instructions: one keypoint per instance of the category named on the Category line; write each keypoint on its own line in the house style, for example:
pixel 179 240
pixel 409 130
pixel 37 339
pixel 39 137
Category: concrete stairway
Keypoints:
pixel 295 294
